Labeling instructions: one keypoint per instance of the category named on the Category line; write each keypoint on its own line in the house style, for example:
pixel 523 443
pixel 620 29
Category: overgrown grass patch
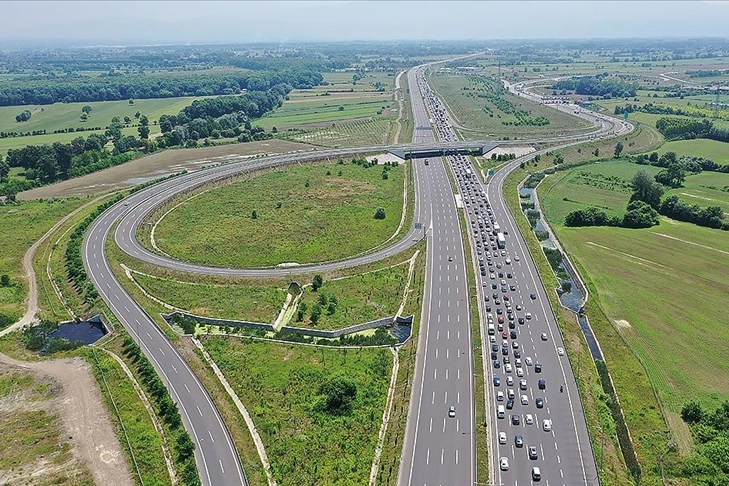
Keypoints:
pixel 303 214
pixel 282 388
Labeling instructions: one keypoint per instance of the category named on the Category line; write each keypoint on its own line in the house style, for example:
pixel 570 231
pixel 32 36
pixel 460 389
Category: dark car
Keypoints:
pixel 494 347
pixel 510 404
pixel 512 334
pixel 494 355
pixel 539 402
pixel 517 353
pixel 533 455
pixel 488 307
pixel 521 320
pixel 519 441
pixel 537 367
pixel 504 351
pixel 497 381
pixel 507 359
pixel 542 384
pixel 533 296
pixel 515 419
pixel 497 364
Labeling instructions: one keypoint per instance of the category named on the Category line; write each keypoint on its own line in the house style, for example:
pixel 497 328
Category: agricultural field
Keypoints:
pixel 288 389
pixel 362 133
pixel 340 100
pixel 709 149
pixel 485 111
pixel 22 225
pixel 305 214
pixel 59 116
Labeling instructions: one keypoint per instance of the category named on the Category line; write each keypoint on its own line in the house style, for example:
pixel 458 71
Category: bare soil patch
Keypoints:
pixel 159 165
pixel 85 423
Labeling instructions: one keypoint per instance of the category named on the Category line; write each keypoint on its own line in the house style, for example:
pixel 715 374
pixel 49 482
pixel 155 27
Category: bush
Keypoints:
pixel 380 213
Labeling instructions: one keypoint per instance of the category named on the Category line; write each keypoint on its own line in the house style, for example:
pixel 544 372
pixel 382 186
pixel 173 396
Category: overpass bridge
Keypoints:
pixel 441 149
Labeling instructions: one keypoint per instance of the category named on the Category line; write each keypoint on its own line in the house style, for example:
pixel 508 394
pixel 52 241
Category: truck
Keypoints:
pixel 500 240
pixel 468 173
pixel 497 229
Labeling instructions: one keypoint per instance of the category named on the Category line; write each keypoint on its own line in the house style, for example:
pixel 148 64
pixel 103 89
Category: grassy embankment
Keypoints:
pixel 304 214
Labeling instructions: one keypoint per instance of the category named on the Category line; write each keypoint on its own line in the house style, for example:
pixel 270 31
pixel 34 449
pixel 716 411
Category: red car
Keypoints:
pixel 505 335
pixel 506 297
pixel 501 319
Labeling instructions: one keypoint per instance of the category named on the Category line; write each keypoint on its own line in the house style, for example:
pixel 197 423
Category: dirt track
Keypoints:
pixel 84 417
pixel 158 165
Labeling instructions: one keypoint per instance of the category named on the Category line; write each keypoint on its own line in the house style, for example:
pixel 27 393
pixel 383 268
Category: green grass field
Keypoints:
pixel 330 219
pixel 362 133
pixel 21 225
pixel 607 186
pixel 663 281
pixel 323 110
pixel 709 149
pixel 280 387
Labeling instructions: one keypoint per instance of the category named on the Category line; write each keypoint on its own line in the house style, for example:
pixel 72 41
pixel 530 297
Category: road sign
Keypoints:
pixel 491 172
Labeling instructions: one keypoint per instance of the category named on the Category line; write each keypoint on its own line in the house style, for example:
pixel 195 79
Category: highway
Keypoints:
pixel 438 449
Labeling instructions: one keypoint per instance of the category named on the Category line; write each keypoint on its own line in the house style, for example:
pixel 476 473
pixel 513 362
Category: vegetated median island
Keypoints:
pixel 304 214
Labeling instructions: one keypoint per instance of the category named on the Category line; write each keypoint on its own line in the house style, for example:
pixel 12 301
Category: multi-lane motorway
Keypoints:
pixel 439 445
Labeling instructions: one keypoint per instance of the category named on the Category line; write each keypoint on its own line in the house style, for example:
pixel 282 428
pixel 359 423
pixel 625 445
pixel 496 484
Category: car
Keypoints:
pixel 507 368
pixel 507 297
pixel 503 252
pixel 494 355
pixel 517 353
pixel 499 311
pixel 533 454
pixel 504 464
pixel 486 298
pixel 528 361
pixel 510 404
pixel 509 275
pixel 547 425
pixel 521 320
pixel 544 336
pixel 492 276
pixel 501 319
pixel 508 261
pixel 498 265
pixel 500 396
pixel 515 344
pixel 520 372
pixel 528 316
pixel 515 419
pixel 517 363
pixel 512 334
pixel 450 258
pixel 507 359
pixel 501 275
pixel 502 438
pixel 504 351
pixel 537 367
pixel 488 307
pixel 512 287
pixel 536 474
pixel 533 296
pixel 509 381
pixel 519 441
pixel 524 400
pixel 539 402
pixel 529 419
pixel 494 347
pixel 492 339
pixel 519 307
pixel 497 364
pixel 542 384
pixel 497 381
pixel 452 412
pixel 522 384
pixel 560 351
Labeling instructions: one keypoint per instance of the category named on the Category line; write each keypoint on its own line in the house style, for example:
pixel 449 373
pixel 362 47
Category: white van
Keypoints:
pixel 501 413
pixel 492 331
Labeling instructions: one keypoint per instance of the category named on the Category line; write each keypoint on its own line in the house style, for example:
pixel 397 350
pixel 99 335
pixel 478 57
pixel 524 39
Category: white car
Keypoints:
pixel 528 315
pixel 516 258
pixel 492 276
pixel 522 384
pixel 528 360
pixel 502 438
pixel 500 396
pixel 517 362
pixel 525 400
pixel 519 307
pixel 509 381
pixel 508 261
pixel 560 351
pixel 507 368
pixel 529 419
pixel 547 425
pixel 492 339
pixel 452 412
pixel 504 464
pixel 519 372
pixel 510 393
pixel 544 336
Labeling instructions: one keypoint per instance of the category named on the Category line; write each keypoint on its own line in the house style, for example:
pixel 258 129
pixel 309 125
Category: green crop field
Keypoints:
pixel 282 388
pixel 22 225
pixel 363 133
pixel 662 287
pixel 471 100
pixel 304 214
pixel 324 110
pixel 709 149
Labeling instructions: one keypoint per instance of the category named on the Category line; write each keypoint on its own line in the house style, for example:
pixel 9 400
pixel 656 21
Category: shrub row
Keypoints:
pixel 167 410
pixel 626 445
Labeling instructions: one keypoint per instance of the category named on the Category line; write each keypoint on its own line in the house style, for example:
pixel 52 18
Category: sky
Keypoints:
pixel 175 22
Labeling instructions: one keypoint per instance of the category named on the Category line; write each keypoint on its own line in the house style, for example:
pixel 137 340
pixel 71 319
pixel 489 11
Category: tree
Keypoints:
pixel 640 215
pixel 254 214
pixel 618 149
pixel 537 158
pixel 24 116
pixel 646 190
pixel 86 109
pixel 674 176
pixel 84 117
pixel 380 213
pixel 558 159
pixel 653 158
pixel 596 152
pixel 339 393
pixel 127 120
pixel 137 115
pixel 143 132
pixel 4 280
pixel 4 169
pixel 317 282
pixel 692 413
pixel 131 101
pixel 315 313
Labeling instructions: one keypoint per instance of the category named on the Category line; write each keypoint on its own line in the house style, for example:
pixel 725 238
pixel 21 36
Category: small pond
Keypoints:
pixel 86 331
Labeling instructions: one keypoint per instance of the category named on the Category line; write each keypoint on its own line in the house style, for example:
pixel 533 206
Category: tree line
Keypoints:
pixel 709 463
pixel 674 128
pixel 166 85
pixel 600 85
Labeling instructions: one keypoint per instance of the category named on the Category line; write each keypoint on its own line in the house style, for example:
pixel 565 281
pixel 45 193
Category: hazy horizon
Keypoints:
pixel 179 22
